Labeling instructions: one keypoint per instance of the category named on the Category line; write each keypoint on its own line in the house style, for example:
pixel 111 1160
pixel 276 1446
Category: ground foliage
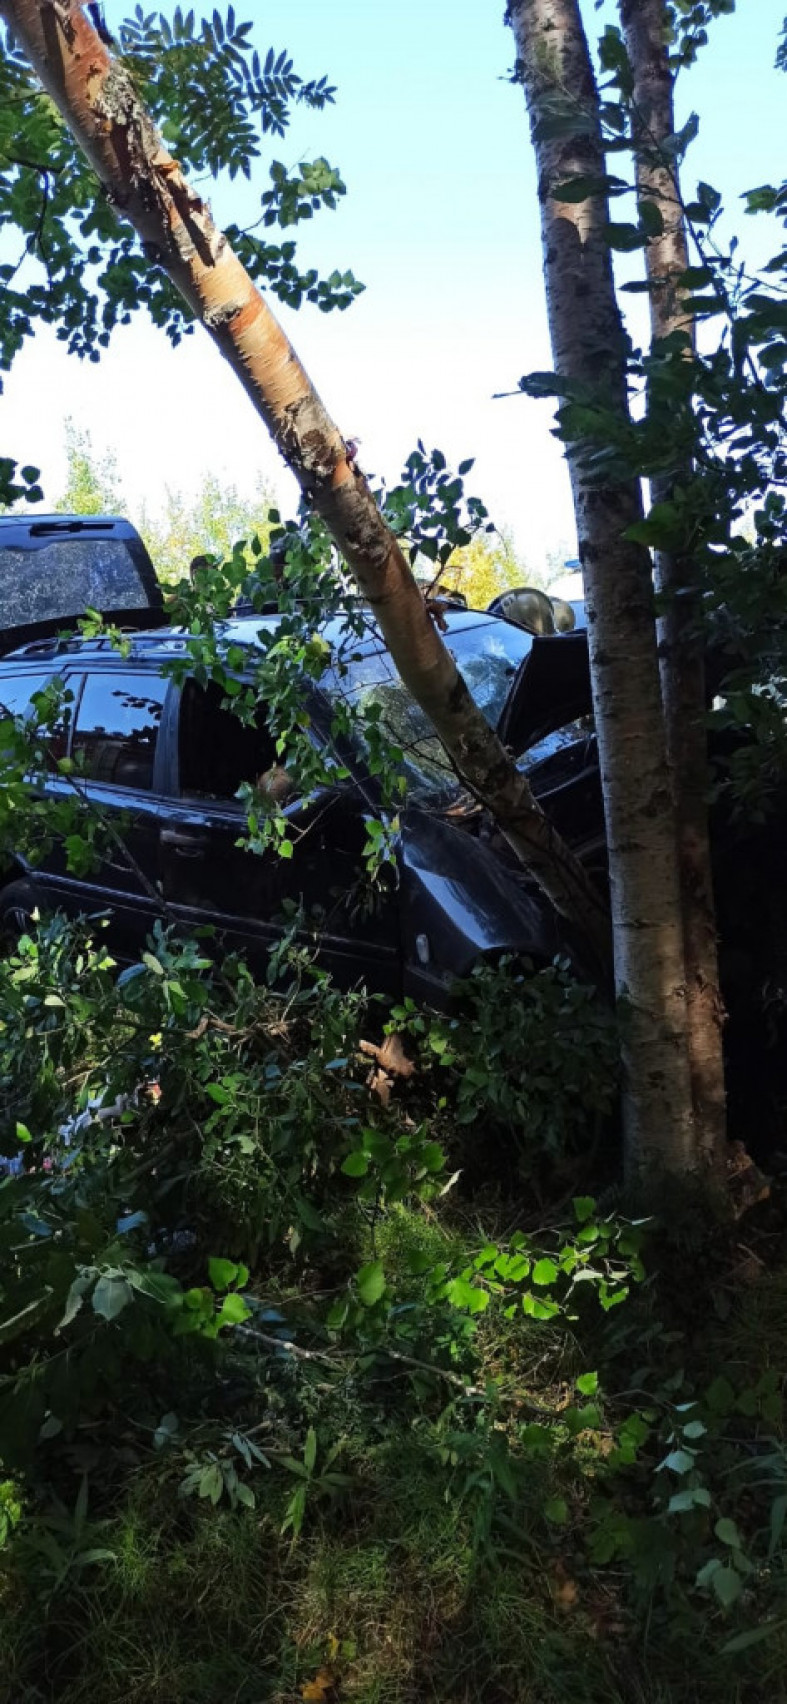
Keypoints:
pixel 291 1386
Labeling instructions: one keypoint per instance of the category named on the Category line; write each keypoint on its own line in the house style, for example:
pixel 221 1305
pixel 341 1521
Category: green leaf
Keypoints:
pixel 14 1325
pixel 162 1287
pixel 75 1297
pixel 755 1636
pixel 111 1296
pixel 727 1532
pixel 581 188
pixel 728 1585
pixel 538 1309
pixel 720 1396
pixel 544 1272
pixel 222 1273
pixel 696 277
pixel 234 1310
pixel 211 1483
pixel 678 1461
pixel 694 1497
pixel 624 238
pixel 651 220
pixel 153 964
pixel 584 1419
pixel 556 1511
pixel 587 1384
pixel 371 1283
pixel 432 1156
pixel 694 1429
pixel 356 1164
pixel 584 1207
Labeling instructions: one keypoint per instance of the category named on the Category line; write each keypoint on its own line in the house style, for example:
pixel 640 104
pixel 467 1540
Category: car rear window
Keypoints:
pixel 117 728
pixel 65 576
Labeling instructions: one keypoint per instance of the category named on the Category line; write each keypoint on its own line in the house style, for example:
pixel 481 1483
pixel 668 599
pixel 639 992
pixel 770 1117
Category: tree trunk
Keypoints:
pixel 588 344
pixel 680 635
pixel 101 106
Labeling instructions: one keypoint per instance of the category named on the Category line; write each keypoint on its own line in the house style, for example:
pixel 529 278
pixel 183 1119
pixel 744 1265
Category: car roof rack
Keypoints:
pixel 57 645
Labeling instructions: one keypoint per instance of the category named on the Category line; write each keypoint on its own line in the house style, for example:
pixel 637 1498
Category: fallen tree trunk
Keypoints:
pixel 101 105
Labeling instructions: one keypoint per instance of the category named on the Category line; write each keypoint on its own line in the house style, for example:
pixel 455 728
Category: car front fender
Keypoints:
pixel 460 904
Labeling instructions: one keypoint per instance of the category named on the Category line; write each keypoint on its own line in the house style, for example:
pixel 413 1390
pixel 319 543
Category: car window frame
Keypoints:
pixel 106 666
pixel 205 804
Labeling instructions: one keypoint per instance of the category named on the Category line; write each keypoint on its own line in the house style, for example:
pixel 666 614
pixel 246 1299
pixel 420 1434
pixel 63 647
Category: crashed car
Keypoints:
pixel 166 761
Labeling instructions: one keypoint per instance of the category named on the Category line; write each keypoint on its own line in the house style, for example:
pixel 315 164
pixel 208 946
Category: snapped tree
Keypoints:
pixel 101 103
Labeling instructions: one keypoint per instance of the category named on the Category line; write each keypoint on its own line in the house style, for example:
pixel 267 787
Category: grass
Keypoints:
pixel 471 1467
pixel 403 1588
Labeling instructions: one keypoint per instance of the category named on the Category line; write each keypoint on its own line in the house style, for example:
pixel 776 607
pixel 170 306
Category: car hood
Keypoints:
pixel 551 687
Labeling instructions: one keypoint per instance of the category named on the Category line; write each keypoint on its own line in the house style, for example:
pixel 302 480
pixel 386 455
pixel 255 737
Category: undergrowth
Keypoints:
pixel 325 1374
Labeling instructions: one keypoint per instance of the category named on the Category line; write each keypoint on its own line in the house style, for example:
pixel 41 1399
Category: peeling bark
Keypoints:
pixel 588 344
pixel 101 106
pixel 680 636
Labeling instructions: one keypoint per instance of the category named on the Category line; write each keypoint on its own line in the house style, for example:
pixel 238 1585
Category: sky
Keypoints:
pixel 441 224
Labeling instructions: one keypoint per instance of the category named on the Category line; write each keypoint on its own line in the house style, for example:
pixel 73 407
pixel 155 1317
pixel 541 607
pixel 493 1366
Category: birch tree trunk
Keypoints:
pixel 101 106
pixel 588 344
pixel 680 638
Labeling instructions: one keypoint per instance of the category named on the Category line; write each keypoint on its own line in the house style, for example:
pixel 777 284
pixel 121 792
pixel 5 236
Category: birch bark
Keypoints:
pixel 680 638
pixel 588 345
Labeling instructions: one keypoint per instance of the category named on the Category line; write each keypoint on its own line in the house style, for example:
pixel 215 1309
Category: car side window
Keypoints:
pixel 16 694
pixel 117 728
pixel 216 751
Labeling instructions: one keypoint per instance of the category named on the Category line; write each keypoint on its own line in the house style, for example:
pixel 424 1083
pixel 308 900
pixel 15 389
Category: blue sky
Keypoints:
pixel 441 223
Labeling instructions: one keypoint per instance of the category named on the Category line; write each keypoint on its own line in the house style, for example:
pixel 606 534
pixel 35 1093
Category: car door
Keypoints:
pixel 117 768
pixel 208 878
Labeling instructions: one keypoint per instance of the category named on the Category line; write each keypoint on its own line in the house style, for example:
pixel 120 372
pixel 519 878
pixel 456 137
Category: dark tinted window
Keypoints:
pixel 117 726
pixel 16 693
pixel 217 751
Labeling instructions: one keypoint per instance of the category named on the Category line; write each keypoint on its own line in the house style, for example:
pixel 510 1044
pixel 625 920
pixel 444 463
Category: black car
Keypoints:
pixel 164 762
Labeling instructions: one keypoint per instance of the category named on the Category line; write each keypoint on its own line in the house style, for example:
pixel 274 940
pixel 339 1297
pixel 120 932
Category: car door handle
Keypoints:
pixel 183 845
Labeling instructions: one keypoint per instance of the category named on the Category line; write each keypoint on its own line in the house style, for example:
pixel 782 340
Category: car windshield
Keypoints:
pixel 488 655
